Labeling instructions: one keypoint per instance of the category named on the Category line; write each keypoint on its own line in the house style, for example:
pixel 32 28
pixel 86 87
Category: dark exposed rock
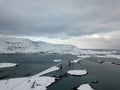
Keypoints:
pixel 2 77
pixel 28 74
pixel 101 61
pixel 1 71
pixel 95 81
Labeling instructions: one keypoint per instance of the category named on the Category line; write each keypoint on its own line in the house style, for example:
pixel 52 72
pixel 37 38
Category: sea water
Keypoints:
pixel 107 74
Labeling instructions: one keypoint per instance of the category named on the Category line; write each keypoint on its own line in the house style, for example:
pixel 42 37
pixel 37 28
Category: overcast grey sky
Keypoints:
pixel 84 23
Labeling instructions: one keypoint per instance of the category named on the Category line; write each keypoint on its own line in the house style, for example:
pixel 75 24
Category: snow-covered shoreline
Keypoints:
pixel 5 65
pixel 77 60
pixel 36 82
pixel 109 56
pixel 51 69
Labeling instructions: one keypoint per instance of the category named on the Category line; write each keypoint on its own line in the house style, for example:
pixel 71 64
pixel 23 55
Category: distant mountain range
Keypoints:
pixel 18 45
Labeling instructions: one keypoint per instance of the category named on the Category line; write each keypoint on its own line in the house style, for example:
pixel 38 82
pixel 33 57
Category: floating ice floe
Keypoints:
pixel 34 83
pixel 85 87
pixel 3 65
pixel 77 60
pixel 83 56
pixel 54 68
pixel 57 60
pixel 77 72
pixel 74 61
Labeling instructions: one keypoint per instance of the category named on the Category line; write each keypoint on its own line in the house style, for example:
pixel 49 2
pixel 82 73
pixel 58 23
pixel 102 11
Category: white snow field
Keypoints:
pixel 77 72
pixel 18 45
pixel 36 82
pixel 4 65
pixel 22 45
pixel 109 56
pixel 33 83
pixel 85 87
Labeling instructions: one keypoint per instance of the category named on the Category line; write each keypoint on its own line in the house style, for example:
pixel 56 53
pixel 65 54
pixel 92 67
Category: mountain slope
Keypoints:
pixel 16 45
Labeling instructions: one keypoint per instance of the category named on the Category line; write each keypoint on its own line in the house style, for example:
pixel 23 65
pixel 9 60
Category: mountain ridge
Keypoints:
pixel 23 45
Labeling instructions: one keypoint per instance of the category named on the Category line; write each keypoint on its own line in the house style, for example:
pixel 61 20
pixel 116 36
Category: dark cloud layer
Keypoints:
pixel 51 18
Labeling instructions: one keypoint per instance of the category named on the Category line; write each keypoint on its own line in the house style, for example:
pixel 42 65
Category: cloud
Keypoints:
pixel 61 19
pixel 102 40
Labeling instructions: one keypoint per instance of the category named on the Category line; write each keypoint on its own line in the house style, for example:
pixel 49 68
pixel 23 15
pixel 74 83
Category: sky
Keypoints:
pixel 83 23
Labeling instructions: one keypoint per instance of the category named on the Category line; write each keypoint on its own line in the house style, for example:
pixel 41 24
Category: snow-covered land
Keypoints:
pixel 83 56
pixel 100 53
pixel 74 61
pixel 109 56
pixel 54 68
pixel 20 45
pixel 17 45
pixel 77 60
pixel 3 65
pixel 57 60
pixel 85 87
pixel 34 83
pixel 77 72
pixel 94 52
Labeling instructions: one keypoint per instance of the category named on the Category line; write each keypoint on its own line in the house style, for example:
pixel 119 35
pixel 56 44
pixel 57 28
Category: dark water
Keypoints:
pixel 107 74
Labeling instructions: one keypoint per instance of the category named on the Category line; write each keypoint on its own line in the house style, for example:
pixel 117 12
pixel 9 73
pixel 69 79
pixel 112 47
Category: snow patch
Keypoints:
pixel 77 72
pixel 109 56
pixel 77 60
pixel 74 61
pixel 83 56
pixel 85 87
pixel 57 60
pixel 3 65
pixel 34 83
pixel 54 68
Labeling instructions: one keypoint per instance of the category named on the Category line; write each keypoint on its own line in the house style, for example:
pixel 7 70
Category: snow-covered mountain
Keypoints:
pixel 18 45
